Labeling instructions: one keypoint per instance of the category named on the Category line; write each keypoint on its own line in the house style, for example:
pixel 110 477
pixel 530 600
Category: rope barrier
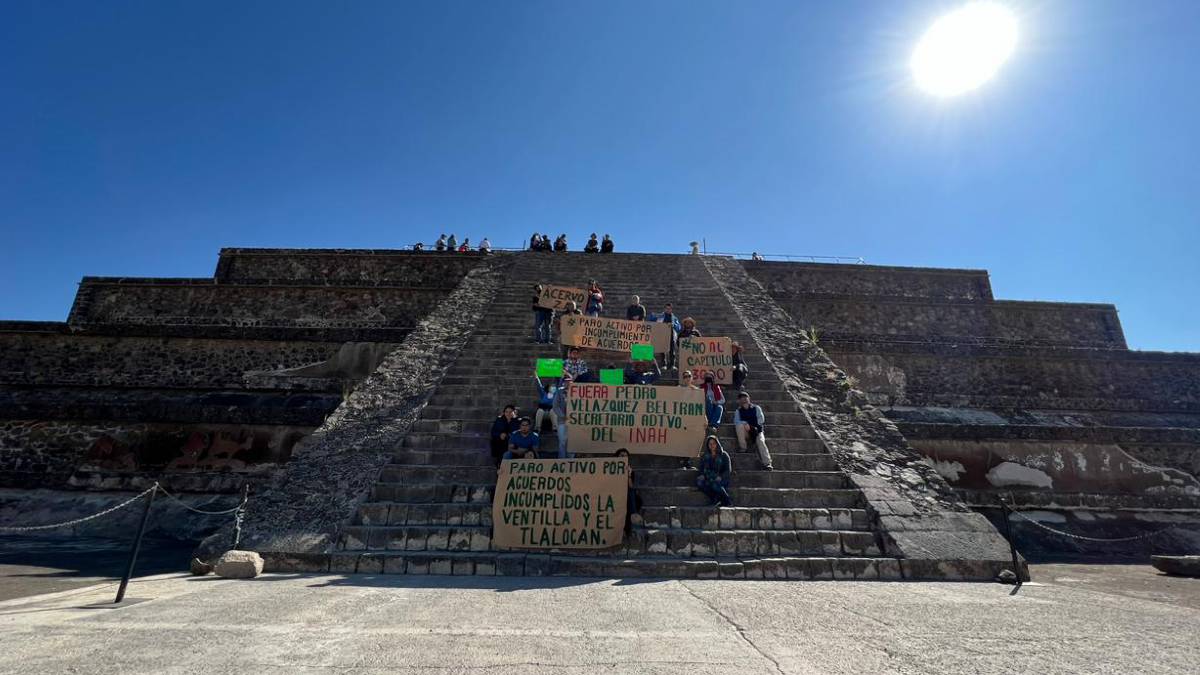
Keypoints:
pixel 239 510
pixel 193 509
pixel 1095 539
pixel 105 512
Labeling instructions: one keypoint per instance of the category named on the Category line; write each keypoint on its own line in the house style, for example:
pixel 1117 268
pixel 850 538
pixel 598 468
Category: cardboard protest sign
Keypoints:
pixel 613 335
pixel 561 297
pixel 560 503
pixel 645 419
pixel 706 355
pixel 612 376
pixel 549 367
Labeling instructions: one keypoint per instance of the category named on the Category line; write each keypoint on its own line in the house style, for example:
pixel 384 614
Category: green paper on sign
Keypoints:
pixel 641 352
pixel 612 376
pixel 549 367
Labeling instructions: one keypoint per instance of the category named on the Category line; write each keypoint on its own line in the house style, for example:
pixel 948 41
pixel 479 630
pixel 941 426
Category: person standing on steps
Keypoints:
pixel 668 317
pixel 749 420
pixel 545 406
pixel 595 301
pixel 542 318
pixel 559 407
pixel 635 311
pixel 525 443
pixel 740 369
pixel 606 246
pixel 452 243
pixel 714 401
pixel 502 428
pixel 441 243
pixel 633 501
pixel 593 245
pixel 714 473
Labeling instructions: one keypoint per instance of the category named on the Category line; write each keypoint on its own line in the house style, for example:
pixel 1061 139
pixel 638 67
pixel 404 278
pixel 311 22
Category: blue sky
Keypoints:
pixel 136 139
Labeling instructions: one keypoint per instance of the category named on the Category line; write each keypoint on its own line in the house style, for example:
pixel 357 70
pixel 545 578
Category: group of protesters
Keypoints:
pixel 513 435
pixel 451 244
pixel 541 242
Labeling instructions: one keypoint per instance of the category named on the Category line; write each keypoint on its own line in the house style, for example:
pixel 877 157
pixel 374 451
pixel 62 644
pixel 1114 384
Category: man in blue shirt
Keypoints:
pixel 525 443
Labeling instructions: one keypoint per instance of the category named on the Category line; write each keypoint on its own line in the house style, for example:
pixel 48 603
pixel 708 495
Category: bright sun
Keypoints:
pixel 964 48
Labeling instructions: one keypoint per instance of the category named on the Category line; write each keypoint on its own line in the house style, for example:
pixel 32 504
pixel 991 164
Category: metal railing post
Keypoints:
pixel 137 545
pixel 1012 548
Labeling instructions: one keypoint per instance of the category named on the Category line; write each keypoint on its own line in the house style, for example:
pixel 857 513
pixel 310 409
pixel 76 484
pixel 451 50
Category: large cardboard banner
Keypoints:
pixel 560 503
pixel 645 419
pixel 614 335
pixel 706 355
pixel 561 297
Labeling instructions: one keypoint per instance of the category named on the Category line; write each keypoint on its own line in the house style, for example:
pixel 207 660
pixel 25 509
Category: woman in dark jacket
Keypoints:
pixel 715 471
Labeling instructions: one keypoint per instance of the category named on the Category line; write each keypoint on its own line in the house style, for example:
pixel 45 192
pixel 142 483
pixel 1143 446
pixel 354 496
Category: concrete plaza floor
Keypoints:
pixel 1100 619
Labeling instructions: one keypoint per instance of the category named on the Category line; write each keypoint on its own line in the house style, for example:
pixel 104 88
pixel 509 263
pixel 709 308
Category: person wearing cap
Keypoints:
pixel 749 420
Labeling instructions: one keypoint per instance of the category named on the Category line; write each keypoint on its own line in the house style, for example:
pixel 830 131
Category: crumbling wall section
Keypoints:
pixel 302 511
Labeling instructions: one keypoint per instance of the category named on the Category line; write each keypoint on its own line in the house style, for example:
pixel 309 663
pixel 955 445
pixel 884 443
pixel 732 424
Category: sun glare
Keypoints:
pixel 964 48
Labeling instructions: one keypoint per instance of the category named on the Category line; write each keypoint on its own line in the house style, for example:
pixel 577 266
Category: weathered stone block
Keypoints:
pixel 797 568
pixel 369 564
pixel 481 540
pixel 726 543
pixel 731 570
pixel 461 567
pixel 680 543
pixel 441 565
pixel 741 519
pixel 239 565
pixel 656 542
pixel 537 565
pixel 437 541
pixel 510 564
pixel 889 569
pixel 459 540
pixel 395 564
pixel 373 514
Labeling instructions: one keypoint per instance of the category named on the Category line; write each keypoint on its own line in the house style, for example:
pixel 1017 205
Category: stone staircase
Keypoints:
pixel 430 510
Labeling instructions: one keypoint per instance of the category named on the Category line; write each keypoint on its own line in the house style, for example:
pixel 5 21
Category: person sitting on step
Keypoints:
pixel 593 245
pixel 546 246
pixel 504 426
pixel 606 246
pixel 560 244
pixel 466 245
pixel 715 472
pixel 749 419
pixel 452 243
pixel 636 311
pixel 525 443
pixel 642 372
pixel 545 407
pixel 485 246
pixel 441 243
pixel 574 366
pixel 535 242
pixel 714 401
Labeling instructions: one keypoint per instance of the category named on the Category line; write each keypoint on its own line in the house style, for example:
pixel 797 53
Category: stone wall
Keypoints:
pixel 920 321
pixel 205 302
pixel 983 377
pixel 167 405
pixel 822 279
pixel 347 267
pixel 64 359
pixel 95 454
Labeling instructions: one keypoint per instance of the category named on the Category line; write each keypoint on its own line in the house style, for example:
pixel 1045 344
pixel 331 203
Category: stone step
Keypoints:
pixel 643 478
pixel 483 427
pixel 416 493
pixel 464 412
pixel 524 395
pixel 800 440
pixel 679 542
pixel 544 565
pixel 660 517
pixel 753 518
pixel 741 461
